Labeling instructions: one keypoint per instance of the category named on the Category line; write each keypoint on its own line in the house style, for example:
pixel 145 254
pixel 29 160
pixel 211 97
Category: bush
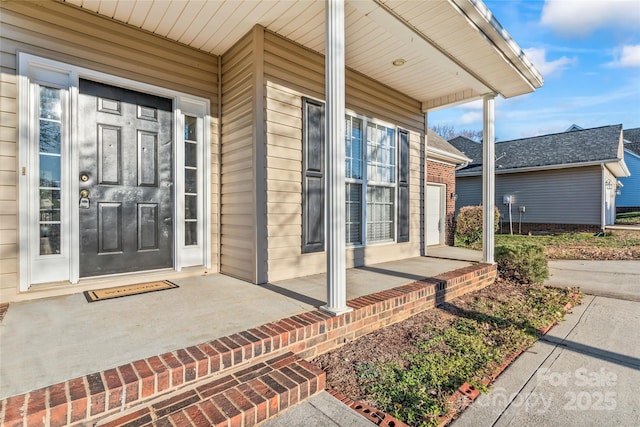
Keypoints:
pixel 469 224
pixel 523 263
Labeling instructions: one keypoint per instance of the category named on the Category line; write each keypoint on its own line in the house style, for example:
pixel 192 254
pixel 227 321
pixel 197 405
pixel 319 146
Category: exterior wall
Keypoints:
pixel 238 207
pixel 561 196
pixel 630 197
pixel 444 173
pixel 291 72
pixel 57 31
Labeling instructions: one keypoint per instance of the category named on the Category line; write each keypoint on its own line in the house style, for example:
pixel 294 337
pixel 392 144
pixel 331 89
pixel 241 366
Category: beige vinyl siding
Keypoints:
pixel 8 174
pixel 238 208
pixel 292 72
pixel 558 196
pixel 67 34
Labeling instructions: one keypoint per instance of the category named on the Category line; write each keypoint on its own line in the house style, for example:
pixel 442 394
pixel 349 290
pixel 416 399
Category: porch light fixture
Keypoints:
pixel 399 62
pixel 454 196
pixel 609 185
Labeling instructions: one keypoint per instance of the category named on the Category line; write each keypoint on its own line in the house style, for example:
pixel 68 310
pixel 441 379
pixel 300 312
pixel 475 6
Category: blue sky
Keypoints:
pixel 589 54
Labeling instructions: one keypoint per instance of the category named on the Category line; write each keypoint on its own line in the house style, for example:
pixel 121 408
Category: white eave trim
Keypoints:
pixel 435 153
pixel 631 153
pixel 622 168
pixel 478 13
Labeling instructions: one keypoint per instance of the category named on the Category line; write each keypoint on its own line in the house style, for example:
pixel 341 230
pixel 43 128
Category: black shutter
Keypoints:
pixel 312 176
pixel 403 186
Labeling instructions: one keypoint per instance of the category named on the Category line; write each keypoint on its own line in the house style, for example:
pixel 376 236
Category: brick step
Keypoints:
pixel 244 398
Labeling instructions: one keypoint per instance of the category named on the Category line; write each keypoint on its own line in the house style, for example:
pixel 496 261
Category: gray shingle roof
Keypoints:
pixel 633 136
pixel 577 146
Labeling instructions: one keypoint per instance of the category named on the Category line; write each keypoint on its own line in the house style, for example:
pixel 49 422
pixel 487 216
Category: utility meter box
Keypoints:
pixel 506 199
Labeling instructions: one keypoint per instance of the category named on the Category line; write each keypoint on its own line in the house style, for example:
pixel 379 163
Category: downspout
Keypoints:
pixel 603 212
pixel 219 156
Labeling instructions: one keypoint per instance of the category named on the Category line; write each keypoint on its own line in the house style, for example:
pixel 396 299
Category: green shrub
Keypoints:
pixel 524 263
pixel 469 224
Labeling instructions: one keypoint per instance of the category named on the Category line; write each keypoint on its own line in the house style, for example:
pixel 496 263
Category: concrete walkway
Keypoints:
pixel 616 279
pixel 586 370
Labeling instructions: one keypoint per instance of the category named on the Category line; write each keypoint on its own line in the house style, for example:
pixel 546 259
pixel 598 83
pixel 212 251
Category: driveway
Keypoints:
pixel 586 370
pixel 616 279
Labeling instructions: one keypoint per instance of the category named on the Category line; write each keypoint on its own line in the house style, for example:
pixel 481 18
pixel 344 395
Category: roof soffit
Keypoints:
pixel 448 57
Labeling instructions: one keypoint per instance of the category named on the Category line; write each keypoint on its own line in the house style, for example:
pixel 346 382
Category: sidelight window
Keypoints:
pixel 50 169
pixel 190 181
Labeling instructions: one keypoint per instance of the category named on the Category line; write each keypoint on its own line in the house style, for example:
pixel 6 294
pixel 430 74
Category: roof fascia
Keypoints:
pixel 631 153
pixel 444 155
pixel 481 17
pixel 544 168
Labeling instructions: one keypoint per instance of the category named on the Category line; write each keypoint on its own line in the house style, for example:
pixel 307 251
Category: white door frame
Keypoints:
pixel 442 212
pixel 33 71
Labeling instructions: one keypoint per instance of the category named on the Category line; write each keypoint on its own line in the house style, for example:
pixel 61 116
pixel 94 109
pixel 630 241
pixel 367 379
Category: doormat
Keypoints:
pixel 125 291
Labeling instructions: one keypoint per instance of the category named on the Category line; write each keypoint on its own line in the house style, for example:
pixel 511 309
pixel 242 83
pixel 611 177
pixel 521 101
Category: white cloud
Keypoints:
pixel 580 18
pixel 471 118
pixel 548 68
pixel 628 56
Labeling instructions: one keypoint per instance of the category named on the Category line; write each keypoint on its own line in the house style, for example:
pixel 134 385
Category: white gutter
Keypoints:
pixel 445 155
pixel 549 167
pixel 478 13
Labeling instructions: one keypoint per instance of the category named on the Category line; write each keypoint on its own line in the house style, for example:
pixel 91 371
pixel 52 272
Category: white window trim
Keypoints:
pixel 39 70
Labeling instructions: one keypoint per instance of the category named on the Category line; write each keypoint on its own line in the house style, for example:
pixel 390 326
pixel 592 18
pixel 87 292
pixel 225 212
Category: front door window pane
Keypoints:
pixel 191 135
pixel 49 169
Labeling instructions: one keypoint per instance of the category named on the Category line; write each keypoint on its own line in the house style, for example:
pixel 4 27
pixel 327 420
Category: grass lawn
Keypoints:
pixel 616 245
pixel 628 218
pixel 410 369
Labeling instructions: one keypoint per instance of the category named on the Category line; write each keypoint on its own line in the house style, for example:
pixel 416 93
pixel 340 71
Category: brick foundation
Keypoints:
pixel 530 227
pixel 98 395
pixel 626 209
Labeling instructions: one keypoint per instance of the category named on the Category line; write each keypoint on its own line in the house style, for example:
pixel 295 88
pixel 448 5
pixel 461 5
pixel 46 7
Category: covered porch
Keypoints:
pixel 48 341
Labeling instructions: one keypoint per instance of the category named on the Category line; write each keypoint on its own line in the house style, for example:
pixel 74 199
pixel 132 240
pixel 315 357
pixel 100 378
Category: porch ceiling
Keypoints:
pixel 455 51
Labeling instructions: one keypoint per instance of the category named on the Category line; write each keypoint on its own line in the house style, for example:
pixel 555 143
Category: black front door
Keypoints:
pixel 126 193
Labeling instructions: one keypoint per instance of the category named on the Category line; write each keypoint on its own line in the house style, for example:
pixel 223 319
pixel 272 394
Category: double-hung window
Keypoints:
pixel 370 176
pixel 381 179
pixel 376 180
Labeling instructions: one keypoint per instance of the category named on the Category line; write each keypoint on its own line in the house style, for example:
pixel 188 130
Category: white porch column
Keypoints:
pixel 335 187
pixel 488 178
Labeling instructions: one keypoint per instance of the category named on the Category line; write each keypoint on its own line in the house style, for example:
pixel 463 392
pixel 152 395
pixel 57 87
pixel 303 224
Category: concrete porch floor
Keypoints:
pixel 46 341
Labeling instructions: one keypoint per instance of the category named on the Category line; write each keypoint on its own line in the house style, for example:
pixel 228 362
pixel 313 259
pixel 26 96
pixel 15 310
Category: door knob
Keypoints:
pixel 84 194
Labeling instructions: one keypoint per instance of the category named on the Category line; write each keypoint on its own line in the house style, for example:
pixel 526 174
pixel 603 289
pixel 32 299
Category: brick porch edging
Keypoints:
pixel 100 394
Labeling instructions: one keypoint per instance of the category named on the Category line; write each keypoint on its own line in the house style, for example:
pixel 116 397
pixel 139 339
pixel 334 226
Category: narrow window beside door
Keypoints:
pixel 190 181
pixel 50 163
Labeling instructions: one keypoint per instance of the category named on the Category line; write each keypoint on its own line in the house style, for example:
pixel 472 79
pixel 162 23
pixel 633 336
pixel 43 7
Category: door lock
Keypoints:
pixel 84 177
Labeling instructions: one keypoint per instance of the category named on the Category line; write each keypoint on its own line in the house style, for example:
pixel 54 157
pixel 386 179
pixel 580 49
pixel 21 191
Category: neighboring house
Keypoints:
pixel 163 139
pixel 629 198
pixel 559 182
